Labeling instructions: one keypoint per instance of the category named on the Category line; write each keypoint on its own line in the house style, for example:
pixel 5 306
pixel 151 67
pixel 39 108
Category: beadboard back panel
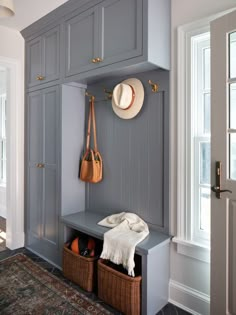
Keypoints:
pixel 135 154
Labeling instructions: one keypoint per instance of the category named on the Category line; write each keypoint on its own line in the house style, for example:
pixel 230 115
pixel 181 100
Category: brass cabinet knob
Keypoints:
pixel 40 165
pixel 40 77
pixel 97 60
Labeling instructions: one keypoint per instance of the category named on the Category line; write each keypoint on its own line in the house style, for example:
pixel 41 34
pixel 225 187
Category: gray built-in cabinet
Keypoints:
pixel 113 31
pixel 85 41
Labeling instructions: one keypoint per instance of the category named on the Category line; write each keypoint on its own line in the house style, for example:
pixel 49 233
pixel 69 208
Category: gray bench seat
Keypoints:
pixel 86 222
pixel 154 250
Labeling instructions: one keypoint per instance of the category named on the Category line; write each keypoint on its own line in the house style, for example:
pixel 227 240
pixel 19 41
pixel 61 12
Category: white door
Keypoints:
pixel 223 210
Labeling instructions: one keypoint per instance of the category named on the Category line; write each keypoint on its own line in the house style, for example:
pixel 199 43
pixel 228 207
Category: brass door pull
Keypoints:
pixel 97 60
pixel 40 165
pixel 40 77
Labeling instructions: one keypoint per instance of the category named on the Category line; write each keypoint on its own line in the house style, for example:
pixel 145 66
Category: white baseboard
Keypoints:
pixel 190 300
pixel 15 241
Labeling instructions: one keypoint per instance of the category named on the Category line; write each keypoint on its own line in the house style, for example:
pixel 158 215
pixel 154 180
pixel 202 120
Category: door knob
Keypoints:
pixel 94 60
pixel 217 189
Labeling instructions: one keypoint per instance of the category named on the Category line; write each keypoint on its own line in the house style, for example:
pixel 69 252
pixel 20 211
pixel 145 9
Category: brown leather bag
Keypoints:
pixel 91 163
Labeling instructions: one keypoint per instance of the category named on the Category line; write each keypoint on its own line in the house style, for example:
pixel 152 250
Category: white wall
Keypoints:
pixel 12 57
pixel 12 45
pixel 190 278
pixel 3 86
pixel 3 80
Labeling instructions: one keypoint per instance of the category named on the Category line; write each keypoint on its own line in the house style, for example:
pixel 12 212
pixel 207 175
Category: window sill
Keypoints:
pixel 192 249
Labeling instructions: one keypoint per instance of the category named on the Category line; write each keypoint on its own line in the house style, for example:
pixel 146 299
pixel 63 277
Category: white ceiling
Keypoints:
pixel 29 11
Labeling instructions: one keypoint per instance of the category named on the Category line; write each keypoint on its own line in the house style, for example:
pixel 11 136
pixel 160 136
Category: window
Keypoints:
pixel 193 134
pixel 199 147
pixel 3 139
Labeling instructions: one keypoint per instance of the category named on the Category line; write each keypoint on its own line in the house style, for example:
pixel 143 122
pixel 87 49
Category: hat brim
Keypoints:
pixel 138 100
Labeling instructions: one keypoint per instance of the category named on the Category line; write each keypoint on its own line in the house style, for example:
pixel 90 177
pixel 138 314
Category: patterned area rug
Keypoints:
pixel 26 288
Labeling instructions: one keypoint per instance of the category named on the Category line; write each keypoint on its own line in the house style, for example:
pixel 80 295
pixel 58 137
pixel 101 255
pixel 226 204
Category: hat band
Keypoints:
pixel 132 100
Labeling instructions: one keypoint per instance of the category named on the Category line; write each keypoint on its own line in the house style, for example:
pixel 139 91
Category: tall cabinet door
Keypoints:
pixel 35 154
pixel 43 169
pixel 50 209
pixel 120 29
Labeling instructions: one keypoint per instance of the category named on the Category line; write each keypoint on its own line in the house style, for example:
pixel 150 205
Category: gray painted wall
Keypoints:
pixel 72 135
pixel 135 154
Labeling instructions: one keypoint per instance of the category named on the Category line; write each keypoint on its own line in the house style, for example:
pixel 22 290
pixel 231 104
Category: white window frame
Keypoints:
pixel 183 240
pixel 185 244
pixel 197 93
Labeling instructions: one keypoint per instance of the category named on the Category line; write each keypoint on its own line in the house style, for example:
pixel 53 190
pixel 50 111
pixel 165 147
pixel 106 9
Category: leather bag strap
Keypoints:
pixel 94 126
pixel 89 126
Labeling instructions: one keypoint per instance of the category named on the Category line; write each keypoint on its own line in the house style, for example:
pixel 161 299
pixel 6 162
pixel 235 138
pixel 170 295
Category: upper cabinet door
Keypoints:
pixel 120 29
pixel 51 55
pixel 43 58
pixel 81 42
pixel 34 60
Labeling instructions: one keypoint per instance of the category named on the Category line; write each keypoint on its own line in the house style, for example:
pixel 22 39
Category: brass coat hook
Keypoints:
pixel 108 93
pixel 155 86
pixel 92 97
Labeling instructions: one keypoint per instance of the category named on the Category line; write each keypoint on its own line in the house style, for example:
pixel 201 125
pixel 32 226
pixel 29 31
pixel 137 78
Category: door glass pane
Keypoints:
pixel 233 156
pixel 207 113
pixel 206 57
pixel 205 206
pixel 232 51
pixel 232 93
pixel 205 163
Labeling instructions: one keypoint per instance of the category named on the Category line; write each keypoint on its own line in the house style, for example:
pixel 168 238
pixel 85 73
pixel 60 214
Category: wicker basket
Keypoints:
pixel 79 269
pixel 119 290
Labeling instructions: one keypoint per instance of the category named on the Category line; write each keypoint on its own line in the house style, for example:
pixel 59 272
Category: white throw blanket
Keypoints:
pixel 119 242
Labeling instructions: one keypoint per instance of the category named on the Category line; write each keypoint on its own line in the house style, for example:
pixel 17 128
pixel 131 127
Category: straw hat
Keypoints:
pixel 127 98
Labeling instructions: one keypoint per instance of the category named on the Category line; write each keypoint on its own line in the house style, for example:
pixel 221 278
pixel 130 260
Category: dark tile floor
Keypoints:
pixel 169 309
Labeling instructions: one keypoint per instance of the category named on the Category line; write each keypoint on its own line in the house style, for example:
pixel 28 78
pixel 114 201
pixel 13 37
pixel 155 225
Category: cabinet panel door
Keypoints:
pixel 34 215
pixel 120 27
pixel 35 156
pixel 51 55
pixel 51 153
pixel 81 42
pixel 35 128
pixel 34 60
pixel 51 132
pixel 50 206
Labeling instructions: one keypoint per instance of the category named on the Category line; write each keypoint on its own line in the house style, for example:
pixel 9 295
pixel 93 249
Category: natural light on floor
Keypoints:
pixel 2 237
